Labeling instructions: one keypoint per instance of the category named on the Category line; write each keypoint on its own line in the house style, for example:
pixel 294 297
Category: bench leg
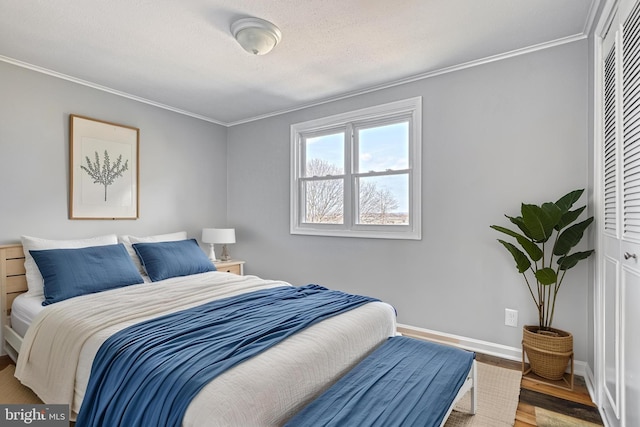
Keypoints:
pixel 474 389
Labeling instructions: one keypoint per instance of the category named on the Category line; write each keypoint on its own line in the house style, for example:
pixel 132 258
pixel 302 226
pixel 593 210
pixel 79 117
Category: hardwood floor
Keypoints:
pixel 566 408
pixel 539 400
pixel 575 404
pixel 4 362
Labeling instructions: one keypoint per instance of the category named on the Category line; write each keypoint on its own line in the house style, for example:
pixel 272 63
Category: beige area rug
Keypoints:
pixel 11 391
pixel 498 395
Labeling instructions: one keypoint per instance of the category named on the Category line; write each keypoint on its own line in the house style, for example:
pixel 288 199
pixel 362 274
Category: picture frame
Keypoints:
pixel 103 169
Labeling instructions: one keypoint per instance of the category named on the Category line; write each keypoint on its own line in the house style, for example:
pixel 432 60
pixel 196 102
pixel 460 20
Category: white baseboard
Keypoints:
pixel 479 346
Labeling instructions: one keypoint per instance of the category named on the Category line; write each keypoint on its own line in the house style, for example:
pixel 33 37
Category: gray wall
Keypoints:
pixel 494 135
pixel 182 161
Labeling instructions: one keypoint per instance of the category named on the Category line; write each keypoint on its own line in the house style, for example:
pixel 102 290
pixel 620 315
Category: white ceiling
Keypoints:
pixel 180 54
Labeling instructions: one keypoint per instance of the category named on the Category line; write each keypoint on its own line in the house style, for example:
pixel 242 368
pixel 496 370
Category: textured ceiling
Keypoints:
pixel 180 54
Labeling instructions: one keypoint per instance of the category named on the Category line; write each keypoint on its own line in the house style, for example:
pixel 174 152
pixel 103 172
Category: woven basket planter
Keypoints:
pixel 549 352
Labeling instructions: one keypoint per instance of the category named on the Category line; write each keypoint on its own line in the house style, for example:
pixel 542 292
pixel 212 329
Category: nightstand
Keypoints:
pixel 232 266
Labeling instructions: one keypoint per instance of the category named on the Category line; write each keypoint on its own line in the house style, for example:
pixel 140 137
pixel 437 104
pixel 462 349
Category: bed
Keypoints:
pixel 266 389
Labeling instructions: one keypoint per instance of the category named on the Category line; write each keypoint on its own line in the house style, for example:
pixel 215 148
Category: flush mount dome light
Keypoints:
pixel 255 35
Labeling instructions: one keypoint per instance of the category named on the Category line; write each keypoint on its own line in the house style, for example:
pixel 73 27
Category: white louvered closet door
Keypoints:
pixel 618 329
pixel 630 287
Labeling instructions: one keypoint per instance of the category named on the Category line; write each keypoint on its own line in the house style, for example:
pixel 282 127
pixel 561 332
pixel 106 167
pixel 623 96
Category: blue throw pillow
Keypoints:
pixel 163 260
pixel 69 273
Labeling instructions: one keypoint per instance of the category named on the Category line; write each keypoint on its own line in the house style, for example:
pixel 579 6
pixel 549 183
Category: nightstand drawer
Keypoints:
pixel 232 266
pixel 235 269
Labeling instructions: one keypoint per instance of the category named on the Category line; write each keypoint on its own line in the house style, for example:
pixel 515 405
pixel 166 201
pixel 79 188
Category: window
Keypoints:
pixel 358 174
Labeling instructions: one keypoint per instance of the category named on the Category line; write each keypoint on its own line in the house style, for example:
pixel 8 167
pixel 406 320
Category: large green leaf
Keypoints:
pixel 565 202
pixel 569 217
pixel 541 220
pixel 546 276
pixel 520 223
pixel 570 261
pixel 534 252
pixel 571 237
pixel 522 262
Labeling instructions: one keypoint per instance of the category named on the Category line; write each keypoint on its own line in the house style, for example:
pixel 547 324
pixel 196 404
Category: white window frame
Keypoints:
pixel 409 108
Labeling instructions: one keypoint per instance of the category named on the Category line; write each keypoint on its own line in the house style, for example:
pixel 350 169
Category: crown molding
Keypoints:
pixel 422 76
pixel 106 89
pixel 417 77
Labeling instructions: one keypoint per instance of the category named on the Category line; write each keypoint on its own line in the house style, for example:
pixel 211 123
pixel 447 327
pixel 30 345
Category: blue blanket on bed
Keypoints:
pixel 147 374
pixel 404 382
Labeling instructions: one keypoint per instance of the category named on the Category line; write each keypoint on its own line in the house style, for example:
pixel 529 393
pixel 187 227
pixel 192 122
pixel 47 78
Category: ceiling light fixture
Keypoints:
pixel 255 35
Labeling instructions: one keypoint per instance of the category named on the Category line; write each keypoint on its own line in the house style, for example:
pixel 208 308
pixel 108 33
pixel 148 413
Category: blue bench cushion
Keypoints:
pixel 404 382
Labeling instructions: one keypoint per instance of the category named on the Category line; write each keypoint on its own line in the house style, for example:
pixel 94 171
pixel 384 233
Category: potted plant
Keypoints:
pixel 547 234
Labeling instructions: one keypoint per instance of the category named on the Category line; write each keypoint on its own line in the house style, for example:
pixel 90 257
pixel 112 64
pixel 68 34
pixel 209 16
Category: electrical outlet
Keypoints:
pixel 511 317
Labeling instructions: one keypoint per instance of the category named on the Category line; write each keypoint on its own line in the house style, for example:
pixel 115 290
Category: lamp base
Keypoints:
pixel 212 253
pixel 225 254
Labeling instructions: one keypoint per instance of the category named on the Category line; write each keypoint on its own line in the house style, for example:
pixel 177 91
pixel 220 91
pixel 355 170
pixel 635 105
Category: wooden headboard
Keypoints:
pixel 13 281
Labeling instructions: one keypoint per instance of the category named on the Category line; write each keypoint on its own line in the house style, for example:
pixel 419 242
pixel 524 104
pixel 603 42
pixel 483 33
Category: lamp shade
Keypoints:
pixel 255 35
pixel 219 235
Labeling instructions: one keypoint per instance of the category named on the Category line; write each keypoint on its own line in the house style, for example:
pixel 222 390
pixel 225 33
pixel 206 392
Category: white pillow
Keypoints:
pixel 130 240
pixel 35 283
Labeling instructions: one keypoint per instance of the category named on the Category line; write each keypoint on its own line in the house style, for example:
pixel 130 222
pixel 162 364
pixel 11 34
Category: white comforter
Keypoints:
pixel 57 352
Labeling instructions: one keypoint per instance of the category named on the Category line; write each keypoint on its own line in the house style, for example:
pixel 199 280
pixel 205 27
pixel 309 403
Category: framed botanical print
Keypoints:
pixel 103 169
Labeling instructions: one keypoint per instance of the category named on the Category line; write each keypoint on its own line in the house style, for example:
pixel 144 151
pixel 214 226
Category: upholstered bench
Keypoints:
pixel 404 382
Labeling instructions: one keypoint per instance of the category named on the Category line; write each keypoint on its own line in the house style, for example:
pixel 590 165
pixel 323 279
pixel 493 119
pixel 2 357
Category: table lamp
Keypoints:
pixel 222 236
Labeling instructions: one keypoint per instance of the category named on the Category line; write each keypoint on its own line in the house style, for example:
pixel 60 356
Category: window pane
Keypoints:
pixel 324 155
pixel 383 147
pixel 358 173
pixel 324 201
pixel 384 200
